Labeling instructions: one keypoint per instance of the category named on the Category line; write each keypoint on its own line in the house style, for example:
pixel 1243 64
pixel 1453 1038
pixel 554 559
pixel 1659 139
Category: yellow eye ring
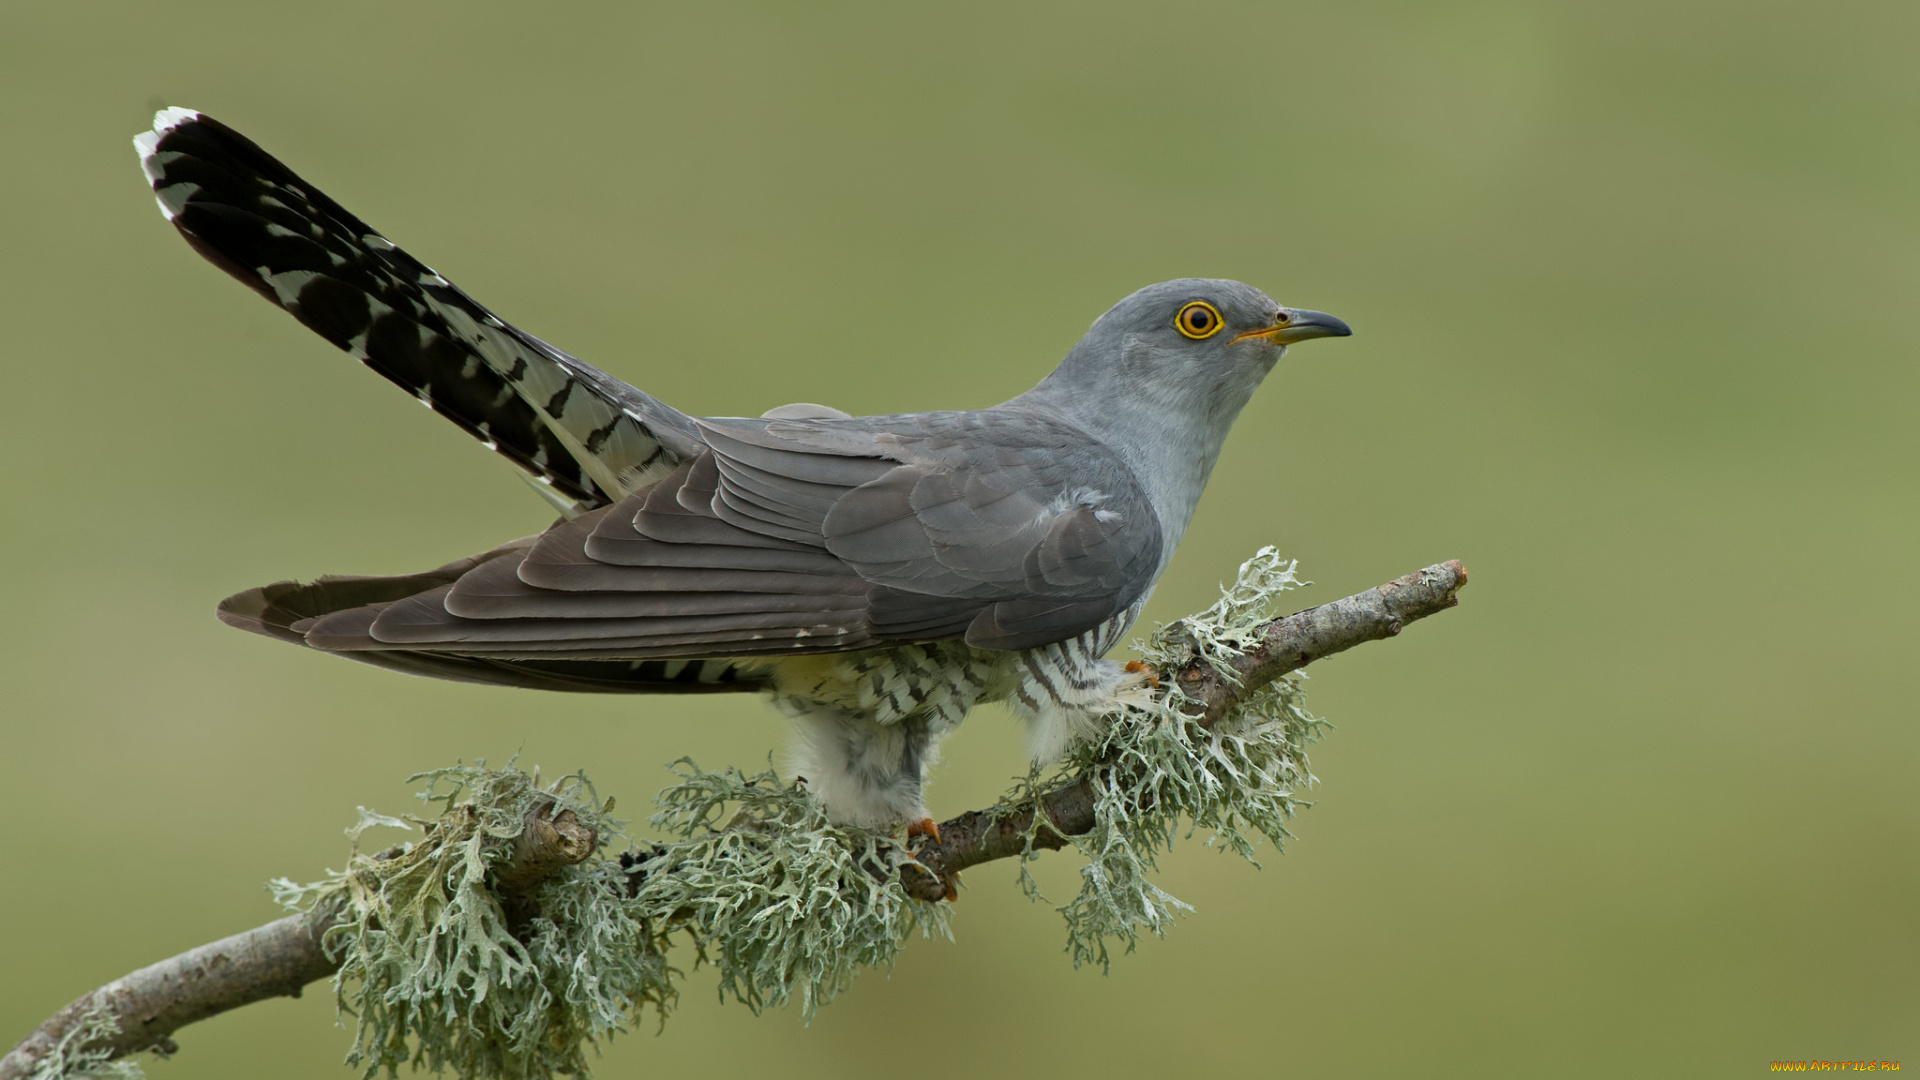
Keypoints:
pixel 1198 320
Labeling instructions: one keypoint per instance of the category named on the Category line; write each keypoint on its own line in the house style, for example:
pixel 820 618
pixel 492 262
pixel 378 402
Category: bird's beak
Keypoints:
pixel 1298 324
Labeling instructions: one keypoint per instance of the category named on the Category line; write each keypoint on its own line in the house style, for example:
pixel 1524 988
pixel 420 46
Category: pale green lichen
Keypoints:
pixel 438 974
pixel 1155 769
pixel 779 900
pixel 83 1051
pixel 432 965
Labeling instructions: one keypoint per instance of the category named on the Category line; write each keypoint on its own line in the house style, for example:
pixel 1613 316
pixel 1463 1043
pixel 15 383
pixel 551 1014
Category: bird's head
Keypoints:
pixel 1197 325
pixel 1195 345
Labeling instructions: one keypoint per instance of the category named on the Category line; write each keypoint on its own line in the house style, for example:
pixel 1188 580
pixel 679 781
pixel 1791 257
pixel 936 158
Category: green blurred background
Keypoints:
pixel 1632 289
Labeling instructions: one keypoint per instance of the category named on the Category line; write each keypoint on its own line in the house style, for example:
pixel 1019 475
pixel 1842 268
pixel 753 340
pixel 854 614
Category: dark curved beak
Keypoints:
pixel 1303 325
pixel 1297 324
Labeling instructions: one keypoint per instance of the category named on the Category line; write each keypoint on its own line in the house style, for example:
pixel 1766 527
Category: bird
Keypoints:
pixel 876 577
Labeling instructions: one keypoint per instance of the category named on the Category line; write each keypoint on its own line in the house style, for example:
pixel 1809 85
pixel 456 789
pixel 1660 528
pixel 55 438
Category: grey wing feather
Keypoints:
pixel 498 591
pixel 287 610
pixel 425 620
pixel 843 454
pixel 586 554
pixel 1042 529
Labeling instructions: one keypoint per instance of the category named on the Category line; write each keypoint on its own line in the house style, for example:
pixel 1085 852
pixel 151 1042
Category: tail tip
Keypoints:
pixel 147 145
pixel 163 121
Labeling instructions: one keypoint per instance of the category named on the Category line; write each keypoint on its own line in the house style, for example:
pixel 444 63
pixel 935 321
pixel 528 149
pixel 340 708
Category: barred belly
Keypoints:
pixel 870 722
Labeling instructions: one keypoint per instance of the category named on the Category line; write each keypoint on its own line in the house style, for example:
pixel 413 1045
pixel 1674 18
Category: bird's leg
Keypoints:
pixel 867 773
pixel 1063 696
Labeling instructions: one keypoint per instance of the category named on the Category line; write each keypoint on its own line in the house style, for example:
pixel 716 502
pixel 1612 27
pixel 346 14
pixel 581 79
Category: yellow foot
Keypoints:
pixel 924 827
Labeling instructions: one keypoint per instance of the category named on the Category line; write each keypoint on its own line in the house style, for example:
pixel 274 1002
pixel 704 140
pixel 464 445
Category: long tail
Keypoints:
pixel 583 437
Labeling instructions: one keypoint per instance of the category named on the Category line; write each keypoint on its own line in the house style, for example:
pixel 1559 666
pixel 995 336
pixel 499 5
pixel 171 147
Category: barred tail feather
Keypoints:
pixel 576 432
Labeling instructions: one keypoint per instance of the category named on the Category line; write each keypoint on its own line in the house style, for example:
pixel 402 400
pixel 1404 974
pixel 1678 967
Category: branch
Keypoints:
pixel 283 956
pixel 274 960
pixel 1286 645
pixel 152 1003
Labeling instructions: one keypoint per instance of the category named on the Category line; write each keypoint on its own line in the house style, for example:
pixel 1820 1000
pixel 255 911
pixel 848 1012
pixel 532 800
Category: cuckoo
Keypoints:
pixel 875 576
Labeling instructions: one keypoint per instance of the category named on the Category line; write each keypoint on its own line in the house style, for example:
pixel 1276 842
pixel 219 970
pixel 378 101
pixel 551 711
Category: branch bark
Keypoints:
pixel 285 955
pixel 152 1003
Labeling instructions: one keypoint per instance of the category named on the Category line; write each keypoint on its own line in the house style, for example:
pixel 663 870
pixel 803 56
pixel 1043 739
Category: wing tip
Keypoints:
pixel 258 611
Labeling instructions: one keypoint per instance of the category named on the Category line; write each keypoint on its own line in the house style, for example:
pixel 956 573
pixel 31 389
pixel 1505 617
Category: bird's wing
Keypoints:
pixel 1008 527
pixel 584 437
pixel 274 610
pixel 793 537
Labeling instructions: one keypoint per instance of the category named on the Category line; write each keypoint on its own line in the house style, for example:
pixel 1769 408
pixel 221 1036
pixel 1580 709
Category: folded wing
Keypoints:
pixel 787 538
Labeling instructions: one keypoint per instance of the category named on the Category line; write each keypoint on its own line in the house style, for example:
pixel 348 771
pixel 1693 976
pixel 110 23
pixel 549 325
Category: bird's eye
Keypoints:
pixel 1198 320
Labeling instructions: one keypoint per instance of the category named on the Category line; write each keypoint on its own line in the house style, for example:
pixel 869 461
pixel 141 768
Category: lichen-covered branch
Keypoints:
pixel 1285 645
pixel 142 1010
pixel 497 947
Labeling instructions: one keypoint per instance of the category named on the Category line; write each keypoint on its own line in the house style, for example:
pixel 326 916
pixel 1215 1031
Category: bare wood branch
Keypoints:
pixel 1287 644
pixel 285 955
pixel 547 842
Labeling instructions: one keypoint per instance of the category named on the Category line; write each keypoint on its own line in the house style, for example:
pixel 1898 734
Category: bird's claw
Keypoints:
pixel 1139 668
pixel 949 882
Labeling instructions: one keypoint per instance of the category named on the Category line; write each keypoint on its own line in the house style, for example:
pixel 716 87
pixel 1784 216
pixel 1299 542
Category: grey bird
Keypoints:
pixel 876 576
